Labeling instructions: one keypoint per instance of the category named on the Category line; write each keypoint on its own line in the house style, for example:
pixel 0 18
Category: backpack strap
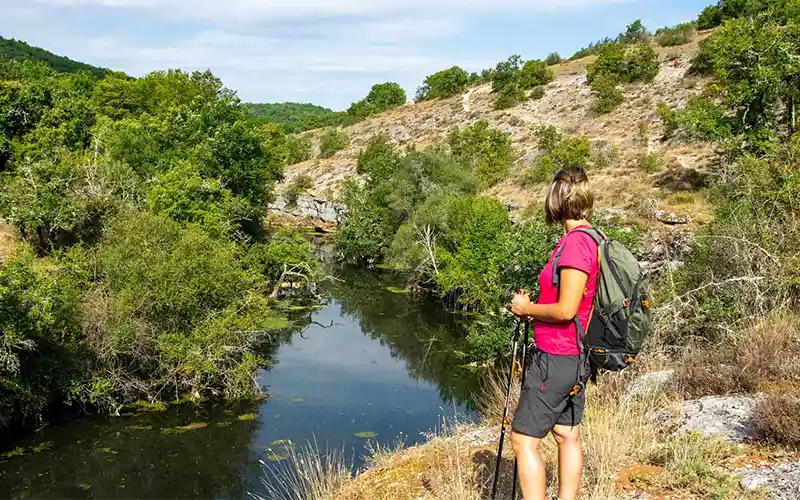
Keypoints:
pixel 593 232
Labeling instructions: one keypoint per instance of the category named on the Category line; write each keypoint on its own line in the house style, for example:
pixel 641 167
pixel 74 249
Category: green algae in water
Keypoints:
pixel 279 450
pixel 296 400
pixel 84 486
pixel 247 416
pixel 110 451
pixel 222 424
pixel 227 412
pixel 16 452
pixel 140 427
pixel 146 406
pixel 383 266
pixel 366 435
pixel 181 429
pixel 396 290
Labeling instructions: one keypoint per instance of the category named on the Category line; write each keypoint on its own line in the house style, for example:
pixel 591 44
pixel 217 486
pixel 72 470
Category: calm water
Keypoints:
pixel 373 362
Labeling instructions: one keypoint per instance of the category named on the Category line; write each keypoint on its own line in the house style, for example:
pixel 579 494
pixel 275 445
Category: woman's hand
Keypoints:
pixel 521 304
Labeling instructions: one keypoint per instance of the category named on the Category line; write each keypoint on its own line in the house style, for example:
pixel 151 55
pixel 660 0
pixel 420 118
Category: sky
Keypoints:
pixel 328 52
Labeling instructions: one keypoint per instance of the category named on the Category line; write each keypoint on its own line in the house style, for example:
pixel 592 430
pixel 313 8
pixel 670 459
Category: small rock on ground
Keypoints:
pixel 782 481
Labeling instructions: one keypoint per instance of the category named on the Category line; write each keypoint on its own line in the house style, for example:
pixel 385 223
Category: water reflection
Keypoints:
pixel 372 365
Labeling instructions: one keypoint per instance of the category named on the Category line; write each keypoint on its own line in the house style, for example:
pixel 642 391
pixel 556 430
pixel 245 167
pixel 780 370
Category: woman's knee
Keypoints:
pixel 567 435
pixel 521 443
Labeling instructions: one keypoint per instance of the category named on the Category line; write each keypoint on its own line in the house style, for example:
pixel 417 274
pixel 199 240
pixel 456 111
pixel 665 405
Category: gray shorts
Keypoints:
pixel 546 401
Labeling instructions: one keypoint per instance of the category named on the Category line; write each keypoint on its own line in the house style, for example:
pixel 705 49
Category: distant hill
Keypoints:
pixel 296 117
pixel 21 51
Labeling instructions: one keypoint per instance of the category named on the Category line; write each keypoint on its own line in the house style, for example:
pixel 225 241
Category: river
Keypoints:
pixel 372 365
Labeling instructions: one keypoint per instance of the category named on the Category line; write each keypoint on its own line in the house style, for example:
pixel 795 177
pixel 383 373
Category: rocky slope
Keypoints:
pixel 567 106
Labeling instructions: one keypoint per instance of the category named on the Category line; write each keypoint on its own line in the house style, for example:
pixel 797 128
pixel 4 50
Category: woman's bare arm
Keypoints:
pixel 573 287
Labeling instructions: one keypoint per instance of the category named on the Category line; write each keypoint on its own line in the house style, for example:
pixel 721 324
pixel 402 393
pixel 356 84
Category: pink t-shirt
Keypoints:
pixel 580 252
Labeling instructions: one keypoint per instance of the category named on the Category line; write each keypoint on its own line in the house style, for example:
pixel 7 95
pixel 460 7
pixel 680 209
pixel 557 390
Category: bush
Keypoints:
pixel 446 83
pixel 298 150
pixel 553 58
pixel 381 97
pixel 298 186
pixel 650 161
pixel 286 249
pixel 170 311
pixel 624 63
pixel 484 150
pixel 509 96
pixel 775 418
pixel 333 141
pixel 534 74
pixel 538 92
pixel 711 17
pixel 557 152
pixel 634 33
pixel 367 229
pixel 379 159
pixel 676 35
pixel 607 94
pixel 41 352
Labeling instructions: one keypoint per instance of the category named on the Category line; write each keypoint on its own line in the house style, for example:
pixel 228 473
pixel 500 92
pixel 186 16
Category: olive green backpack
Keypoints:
pixel 621 318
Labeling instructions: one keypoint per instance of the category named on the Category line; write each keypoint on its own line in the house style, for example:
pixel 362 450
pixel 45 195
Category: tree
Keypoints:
pixel 634 33
pixel 485 150
pixel 381 97
pixel 446 83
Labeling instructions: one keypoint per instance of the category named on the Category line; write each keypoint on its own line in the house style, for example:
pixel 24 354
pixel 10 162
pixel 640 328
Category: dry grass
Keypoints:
pixel 763 358
pixel 307 474
pixel 777 419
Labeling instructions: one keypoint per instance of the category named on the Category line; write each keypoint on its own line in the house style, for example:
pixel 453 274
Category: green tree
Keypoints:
pixel 381 97
pixel 445 83
pixel 333 141
pixel 485 150
pixel 634 33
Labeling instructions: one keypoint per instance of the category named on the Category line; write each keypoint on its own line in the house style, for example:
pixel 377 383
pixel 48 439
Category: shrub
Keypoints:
pixel 553 58
pixel 775 418
pixel 625 63
pixel 286 249
pixel 509 96
pixel 634 33
pixel 669 119
pixel 381 97
pixel 534 74
pixel 379 159
pixel 446 83
pixel 505 74
pixel 485 150
pixel 650 161
pixel 607 94
pixel 333 141
pixel 298 150
pixel 711 17
pixel 367 229
pixel 171 310
pixel 557 152
pixel 538 92
pixel 298 186
pixel 41 352
pixel 676 35
pixel 701 119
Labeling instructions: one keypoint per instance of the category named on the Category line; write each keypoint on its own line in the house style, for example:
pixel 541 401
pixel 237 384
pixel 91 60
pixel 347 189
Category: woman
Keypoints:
pixel 553 398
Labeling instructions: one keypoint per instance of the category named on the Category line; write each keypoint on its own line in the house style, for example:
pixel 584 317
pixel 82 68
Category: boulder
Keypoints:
pixel 781 481
pixel 728 417
pixel 648 385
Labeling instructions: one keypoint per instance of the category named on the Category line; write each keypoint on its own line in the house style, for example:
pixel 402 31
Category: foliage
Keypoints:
pixel 285 249
pixel 332 141
pixel 20 51
pixel 775 419
pixel 486 150
pixel 298 149
pixel 680 34
pixel 553 58
pixel 556 151
pixel 136 200
pixel 445 83
pixel 367 230
pixel 711 17
pixel 650 162
pixel 619 64
pixel 511 80
pixel 296 117
pixel 381 97
pixel 701 119
pixel 40 349
pixel 634 33
pixel 299 185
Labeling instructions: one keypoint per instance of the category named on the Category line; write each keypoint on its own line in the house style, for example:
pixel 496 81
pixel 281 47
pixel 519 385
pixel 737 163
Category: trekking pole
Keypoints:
pixel 504 424
pixel 524 372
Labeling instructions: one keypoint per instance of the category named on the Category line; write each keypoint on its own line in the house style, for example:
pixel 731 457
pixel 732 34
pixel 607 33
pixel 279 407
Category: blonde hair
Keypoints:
pixel 569 197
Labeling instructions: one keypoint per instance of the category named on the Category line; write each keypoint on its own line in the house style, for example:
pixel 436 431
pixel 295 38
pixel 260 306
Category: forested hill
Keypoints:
pixel 296 117
pixel 21 51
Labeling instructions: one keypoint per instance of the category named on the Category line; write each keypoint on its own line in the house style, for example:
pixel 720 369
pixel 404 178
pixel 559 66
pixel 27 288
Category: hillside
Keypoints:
pixel 567 106
pixel 21 51
pixel 295 117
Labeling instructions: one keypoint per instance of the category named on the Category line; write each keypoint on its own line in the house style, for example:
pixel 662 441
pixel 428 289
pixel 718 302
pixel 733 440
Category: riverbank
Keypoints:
pixel 647 433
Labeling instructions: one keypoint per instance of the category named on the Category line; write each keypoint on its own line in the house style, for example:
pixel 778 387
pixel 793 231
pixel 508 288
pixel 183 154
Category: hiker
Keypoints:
pixel 553 397
pixel 676 62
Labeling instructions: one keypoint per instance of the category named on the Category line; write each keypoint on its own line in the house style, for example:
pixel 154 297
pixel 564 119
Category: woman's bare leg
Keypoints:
pixel 570 461
pixel 532 475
